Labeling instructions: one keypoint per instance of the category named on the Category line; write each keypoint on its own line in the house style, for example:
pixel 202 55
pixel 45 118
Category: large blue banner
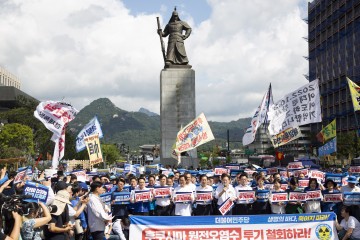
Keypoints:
pixel 264 227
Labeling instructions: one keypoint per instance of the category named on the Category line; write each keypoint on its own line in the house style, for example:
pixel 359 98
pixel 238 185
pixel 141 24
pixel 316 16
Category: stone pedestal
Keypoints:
pixel 177 109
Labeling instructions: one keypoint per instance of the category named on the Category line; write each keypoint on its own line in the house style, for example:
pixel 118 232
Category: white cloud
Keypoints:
pixel 84 50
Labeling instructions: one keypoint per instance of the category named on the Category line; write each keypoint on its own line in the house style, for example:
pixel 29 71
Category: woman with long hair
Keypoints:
pixel 37 216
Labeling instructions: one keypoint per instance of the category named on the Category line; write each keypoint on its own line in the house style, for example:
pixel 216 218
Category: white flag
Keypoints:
pixel 259 117
pixel 55 116
pixel 196 133
pixel 93 127
pixel 297 108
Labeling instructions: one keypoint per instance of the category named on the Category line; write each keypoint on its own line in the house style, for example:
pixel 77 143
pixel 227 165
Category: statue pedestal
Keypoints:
pixel 177 109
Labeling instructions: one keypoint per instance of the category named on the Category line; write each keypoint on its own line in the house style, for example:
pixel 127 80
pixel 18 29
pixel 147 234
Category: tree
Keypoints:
pixel 110 153
pixel 16 140
pixel 347 145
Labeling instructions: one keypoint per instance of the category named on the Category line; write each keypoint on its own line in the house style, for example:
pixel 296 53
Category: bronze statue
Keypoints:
pixel 176 54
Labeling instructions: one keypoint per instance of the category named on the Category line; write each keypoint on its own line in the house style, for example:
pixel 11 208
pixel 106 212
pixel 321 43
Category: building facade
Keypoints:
pixel 334 54
pixel 8 79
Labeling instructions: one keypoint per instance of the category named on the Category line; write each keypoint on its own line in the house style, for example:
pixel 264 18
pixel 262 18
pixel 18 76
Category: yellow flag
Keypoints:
pixel 355 95
pixel 329 131
pixel 93 146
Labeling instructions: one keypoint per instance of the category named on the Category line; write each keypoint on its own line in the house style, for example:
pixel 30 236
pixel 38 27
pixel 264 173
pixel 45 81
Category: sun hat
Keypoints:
pixel 61 199
pixel 352 179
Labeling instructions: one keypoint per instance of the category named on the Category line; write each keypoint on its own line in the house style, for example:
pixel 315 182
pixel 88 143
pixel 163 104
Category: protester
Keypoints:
pixel 313 205
pixel 277 207
pixel 141 206
pixel 330 189
pixel 203 208
pixel 163 204
pixel 59 226
pixel 33 221
pixel 241 207
pixel 293 207
pixel 183 207
pixel 98 215
pixel 260 207
pixel 349 227
pixel 223 192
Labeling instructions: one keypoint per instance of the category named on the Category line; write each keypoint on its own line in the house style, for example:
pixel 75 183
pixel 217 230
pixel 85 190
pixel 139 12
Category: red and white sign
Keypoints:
pixel 279 197
pixel 81 175
pixel 183 197
pixel 295 165
pixel 272 170
pixel 226 206
pixel 142 196
pixel 313 195
pixel 284 186
pixel 297 196
pixel 303 171
pixel 317 174
pixel 220 171
pixel 333 197
pixel 162 192
pixel 249 172
pixel 204 196
pixel 284 174
pixel 20 176
pixel 246 196
pixel 354 169
pixel 303 183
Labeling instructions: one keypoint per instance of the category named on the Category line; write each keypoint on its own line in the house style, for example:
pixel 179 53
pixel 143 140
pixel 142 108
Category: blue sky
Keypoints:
pixel 85 50
pixel 199 10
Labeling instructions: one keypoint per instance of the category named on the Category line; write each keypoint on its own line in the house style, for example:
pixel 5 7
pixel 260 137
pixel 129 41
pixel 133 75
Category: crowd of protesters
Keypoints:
pixel 75 210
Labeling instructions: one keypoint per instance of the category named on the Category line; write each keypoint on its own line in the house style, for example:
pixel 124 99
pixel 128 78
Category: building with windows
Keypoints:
pixel 334 54
pixel 9 79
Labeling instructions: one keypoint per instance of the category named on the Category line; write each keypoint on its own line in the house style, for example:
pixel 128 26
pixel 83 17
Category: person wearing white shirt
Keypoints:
pixel 223 192
pixel 242 208
pixel 277 207
pixel 349 228
pixel 183 208
pixel 98 218
pixel 203 208
pixel 163 204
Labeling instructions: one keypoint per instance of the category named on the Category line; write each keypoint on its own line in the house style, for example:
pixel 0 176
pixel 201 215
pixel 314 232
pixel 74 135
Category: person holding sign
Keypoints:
pixel 349 227
pixel 204 197
pixel 261 205
pixel 141 197
pixel 332 197
pixel 162 202
pixel 294 207
pixel 351 187
pixel 183 198
pixel 241 207
pixel 277 207
pixel 225 191
pixel 119 210
pixel 314 197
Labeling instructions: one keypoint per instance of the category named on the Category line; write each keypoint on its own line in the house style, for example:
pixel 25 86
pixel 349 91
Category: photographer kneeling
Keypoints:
pixel 30 229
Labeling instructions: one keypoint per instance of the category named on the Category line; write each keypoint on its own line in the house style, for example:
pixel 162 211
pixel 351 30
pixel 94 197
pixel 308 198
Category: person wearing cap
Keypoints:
pixel 76 210
pixel 330 186
pixel 59 226
pixel 98 217
pixel 351 187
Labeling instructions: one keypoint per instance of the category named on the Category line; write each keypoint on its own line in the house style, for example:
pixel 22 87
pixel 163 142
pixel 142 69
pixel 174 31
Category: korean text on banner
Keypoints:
pixel 328 148
pixel 226 206
pixel 297 108
pixel 37 192
pixel 258 118
pixel 93 127
pixel 327 132
pixel 94 150
pixel 121 198
pixel 286 136
pixel 194 134
pixel 291 226
pixel 355 95
pixel 55 116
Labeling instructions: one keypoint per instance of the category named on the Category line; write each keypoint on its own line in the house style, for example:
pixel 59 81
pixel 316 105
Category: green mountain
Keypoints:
pixel 138 128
